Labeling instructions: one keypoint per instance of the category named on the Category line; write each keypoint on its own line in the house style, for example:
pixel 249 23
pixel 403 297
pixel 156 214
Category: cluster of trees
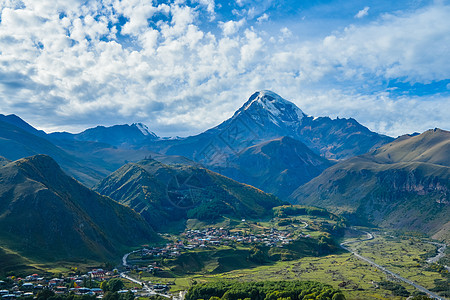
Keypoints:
pixel 113 285
pixel 295 250
pixel 299 210
pixel 264 290
pixel 50 295
pixel 210 211
pixel 442 286
pixel 395 288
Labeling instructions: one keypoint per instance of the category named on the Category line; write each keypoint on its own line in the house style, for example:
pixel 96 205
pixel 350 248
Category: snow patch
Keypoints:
pixel 144 129
pixel 268 99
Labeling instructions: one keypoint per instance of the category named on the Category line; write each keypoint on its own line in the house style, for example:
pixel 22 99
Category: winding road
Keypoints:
pixel 144 285
pixel 440 254
pixel 370 237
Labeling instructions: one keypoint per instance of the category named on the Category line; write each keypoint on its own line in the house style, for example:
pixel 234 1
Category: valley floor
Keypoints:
pixel 358 279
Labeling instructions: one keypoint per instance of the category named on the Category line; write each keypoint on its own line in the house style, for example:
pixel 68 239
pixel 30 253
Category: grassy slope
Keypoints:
pixel 46 215
pixel 163 193
pixel 277 166
pixel 404 184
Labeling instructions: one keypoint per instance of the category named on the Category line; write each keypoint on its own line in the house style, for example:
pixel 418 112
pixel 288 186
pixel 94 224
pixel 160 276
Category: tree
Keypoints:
pixel 338 296
pixel 45 294
pixel 104 286
pixel 111 296
pixel 127 296
pixel 115 285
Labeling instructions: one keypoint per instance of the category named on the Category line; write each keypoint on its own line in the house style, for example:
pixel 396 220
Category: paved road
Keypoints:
pixel 141 283
pixel 369 237
pixel 125 257
pixel 144 285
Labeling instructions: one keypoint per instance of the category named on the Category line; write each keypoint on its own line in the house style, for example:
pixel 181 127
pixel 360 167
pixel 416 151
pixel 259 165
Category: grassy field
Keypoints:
pixel 357 279
pixel 404 256
pixel 342 271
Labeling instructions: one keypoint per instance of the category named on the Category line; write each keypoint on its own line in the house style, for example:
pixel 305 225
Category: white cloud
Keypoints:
pixel 262 18
pixel 72 64
pixel 362 13
pixel 231 27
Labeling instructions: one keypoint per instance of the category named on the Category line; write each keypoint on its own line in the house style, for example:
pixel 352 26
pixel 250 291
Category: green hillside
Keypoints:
pixel 163 193
pixel 403 185
pixel 48 216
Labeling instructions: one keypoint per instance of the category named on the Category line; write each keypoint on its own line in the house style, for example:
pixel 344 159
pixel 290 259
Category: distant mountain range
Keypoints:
pixel 163 194
pixel 91 155
pixel 268 143
pixel 266 116
pixel 404 184
pixel 125 136
pixel 46 215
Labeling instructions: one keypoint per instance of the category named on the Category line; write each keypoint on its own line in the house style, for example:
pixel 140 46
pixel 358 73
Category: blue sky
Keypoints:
pixel 182 67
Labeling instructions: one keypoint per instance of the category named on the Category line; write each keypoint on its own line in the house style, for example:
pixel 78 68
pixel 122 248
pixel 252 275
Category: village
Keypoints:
pixel 94 283
pixel 210 237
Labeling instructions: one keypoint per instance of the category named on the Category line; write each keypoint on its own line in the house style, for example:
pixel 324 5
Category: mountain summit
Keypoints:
pixel 266 116
pixel 266 105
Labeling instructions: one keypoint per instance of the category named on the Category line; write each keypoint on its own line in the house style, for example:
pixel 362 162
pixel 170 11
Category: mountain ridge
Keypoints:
pixel 164 194
pixel 403 184
pixel 64 219
pixel 257 121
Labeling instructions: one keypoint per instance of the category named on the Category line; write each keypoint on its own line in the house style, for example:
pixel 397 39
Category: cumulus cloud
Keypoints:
pixel 74 64
pixel 362 13
pixel 231 27
pixel 262 18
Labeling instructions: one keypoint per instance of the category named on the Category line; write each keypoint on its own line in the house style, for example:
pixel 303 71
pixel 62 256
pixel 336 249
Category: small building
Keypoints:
pixel 28 286
pixel 59 290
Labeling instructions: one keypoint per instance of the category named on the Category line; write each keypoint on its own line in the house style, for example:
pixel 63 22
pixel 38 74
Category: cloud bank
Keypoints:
pixel 182 67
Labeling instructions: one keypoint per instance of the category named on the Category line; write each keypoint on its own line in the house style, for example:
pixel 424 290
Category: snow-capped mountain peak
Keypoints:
pixel 144 129
pixel 276 108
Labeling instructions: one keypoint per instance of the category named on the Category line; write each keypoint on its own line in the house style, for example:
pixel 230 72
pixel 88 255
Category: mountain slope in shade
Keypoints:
pixel 86 161
pixel 163 193
pixel 128 136
pixel 18 122
pixel 278 166
pixel 16 143
pixel 266 116
pixel 47 215
pixel 404 184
